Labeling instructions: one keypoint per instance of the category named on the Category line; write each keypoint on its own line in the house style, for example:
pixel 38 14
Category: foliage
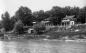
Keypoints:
pixel 24 14
pixel 7 23
pixel 19 27
pixel 82 15
pixel 39 29
pixel 40 15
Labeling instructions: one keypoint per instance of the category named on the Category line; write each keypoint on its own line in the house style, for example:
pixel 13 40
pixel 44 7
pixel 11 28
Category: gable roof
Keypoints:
pixel 69 17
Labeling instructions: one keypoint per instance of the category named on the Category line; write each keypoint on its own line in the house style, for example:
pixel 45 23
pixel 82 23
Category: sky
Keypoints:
pixel 35 5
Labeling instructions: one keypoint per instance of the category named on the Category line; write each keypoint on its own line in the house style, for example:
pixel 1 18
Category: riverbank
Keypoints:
pixel 73 33
pixel 43 38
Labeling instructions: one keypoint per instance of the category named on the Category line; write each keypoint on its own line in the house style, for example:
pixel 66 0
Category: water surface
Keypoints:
pixel 42 46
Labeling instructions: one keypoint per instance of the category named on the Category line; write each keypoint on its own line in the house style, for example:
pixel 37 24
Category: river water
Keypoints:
pixel 42 46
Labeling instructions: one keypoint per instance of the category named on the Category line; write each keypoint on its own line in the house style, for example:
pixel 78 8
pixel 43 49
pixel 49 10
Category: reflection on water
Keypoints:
pixel 36 46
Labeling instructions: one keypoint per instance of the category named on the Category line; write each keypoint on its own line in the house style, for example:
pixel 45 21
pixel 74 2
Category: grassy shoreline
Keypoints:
pixel 41 37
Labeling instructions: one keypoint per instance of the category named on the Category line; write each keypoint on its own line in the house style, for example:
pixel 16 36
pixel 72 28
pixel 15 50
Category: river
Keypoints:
pixel 42 46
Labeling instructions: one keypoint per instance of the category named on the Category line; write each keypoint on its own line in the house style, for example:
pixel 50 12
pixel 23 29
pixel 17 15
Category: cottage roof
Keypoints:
pixel 70 17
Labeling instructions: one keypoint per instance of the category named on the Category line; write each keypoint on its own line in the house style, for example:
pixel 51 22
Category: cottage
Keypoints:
pixel 68 21
pixel 47 23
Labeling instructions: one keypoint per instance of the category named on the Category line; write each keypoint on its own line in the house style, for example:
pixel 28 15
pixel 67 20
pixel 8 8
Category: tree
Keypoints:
pixel 67 10
pixel 40 15
pixel 7 23
pixel 18 27
pixel 56 15
pixel 39 28
pixel 25 15
pixel 82 15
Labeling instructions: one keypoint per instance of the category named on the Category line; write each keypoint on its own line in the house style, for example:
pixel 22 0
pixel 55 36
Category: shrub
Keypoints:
pixel 40 29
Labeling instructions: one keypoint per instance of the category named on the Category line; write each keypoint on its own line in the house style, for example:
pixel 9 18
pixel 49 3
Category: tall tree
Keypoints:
pixel 82 15
pixel 6 22
pixel 25 15
pixel 57 14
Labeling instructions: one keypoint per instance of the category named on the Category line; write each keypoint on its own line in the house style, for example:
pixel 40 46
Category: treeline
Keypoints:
pixel 24 17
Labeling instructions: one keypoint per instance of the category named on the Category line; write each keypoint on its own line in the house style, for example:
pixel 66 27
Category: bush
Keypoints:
pixel 19 27
pixel 40 29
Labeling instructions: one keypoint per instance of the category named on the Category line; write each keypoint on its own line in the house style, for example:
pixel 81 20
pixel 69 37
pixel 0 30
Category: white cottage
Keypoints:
pixel 68 21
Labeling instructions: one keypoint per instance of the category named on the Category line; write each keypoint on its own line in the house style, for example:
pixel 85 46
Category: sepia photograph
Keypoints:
pixel 42 26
